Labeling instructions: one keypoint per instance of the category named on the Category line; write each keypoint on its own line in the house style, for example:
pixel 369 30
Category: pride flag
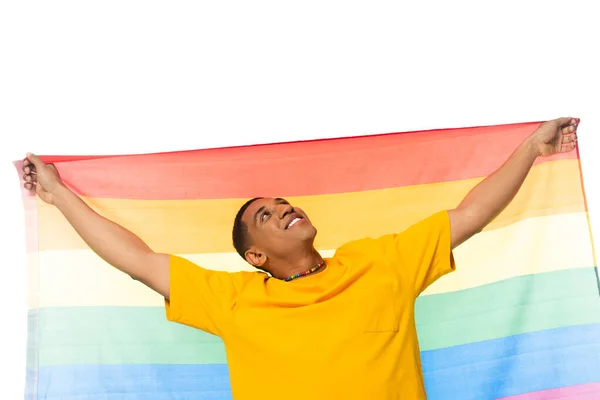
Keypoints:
pixel 519 319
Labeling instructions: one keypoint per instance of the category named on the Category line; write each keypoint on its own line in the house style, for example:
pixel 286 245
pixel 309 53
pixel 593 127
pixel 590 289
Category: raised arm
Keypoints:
pixel 115 244
pixel 486 200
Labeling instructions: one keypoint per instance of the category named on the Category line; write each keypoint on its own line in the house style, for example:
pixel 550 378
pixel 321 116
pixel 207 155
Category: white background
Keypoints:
pixel 131 77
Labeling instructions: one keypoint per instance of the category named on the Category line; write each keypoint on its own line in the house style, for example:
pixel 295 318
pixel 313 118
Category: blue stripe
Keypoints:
pixel 478 371
pixel 514 365
pixel 135 382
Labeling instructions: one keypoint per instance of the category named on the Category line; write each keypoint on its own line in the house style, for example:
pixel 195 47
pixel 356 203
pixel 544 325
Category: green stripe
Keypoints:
pixel 122 335
pixel 518 305
pixel 134 335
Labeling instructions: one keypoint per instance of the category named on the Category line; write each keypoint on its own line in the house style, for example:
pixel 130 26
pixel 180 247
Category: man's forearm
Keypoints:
pixel 488 198
pixel 115 244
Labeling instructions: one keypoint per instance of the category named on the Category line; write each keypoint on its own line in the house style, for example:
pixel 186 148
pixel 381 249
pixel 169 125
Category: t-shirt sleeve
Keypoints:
pixel 199 297
pixel 423 251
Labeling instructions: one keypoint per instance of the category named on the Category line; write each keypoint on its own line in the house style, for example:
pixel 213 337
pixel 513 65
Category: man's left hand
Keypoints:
pixel 556 136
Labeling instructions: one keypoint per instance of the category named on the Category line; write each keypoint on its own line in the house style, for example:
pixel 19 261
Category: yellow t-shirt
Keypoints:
pixel 347 332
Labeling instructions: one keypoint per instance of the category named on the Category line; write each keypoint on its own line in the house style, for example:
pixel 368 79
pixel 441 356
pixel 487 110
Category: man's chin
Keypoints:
pixel 309 232
pixel 303 232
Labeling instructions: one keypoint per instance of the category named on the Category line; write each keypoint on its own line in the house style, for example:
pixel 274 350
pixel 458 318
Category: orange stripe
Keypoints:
pixel 204 226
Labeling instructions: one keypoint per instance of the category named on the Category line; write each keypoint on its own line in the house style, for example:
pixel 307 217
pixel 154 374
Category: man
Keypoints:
pixel 312 328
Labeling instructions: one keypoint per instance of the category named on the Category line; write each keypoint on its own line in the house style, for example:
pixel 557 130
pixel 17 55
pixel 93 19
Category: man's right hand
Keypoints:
pixel 40 177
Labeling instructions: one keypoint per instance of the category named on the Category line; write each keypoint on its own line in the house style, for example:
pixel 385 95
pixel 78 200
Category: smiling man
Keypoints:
pixel 310 328
pixel 272 226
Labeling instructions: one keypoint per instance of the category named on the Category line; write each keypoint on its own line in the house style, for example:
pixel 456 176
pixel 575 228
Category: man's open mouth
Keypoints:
pixel 293 222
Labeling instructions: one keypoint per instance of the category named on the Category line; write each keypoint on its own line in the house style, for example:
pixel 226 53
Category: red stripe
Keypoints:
pixel 59 159
pixel 590 391
pixel 299 168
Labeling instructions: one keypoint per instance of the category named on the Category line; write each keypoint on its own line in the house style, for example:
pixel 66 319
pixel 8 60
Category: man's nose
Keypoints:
pixel 284 209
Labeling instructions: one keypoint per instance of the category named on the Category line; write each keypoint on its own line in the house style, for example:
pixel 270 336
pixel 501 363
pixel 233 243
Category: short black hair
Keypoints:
pixel 241 239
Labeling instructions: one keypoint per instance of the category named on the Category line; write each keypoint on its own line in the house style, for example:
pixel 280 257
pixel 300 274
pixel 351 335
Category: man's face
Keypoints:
pixel 277 228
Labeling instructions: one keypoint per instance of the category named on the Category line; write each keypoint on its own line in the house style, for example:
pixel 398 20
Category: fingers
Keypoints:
pixel 30 182
pixel 567 147
pixel 30 185
pixel 569 136
pixel 30 171
pixel 566 121
pixel 567 130
pixel 30 177
pixel 569 139
pixel 28 167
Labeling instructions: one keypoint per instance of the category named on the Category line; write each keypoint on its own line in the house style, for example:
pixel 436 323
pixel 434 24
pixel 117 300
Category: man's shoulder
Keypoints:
pixel 385 246
pixel 360 248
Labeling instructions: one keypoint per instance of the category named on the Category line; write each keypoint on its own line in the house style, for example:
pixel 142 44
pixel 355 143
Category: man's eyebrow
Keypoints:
pixel 279 200
pixel 260 210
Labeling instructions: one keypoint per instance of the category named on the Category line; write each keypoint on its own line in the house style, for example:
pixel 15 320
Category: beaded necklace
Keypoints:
pixel 310 271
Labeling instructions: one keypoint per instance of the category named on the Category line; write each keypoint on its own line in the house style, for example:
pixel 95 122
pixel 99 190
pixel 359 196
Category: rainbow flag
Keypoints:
pixel 519 319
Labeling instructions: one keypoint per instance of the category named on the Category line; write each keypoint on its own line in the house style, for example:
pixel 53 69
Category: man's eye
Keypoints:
pixel 264 216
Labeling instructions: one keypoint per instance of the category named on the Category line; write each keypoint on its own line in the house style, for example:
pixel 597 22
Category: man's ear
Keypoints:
pixel 255 257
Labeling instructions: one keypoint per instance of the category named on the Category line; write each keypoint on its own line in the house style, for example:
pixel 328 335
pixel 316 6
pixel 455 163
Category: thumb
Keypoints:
pixel 36 161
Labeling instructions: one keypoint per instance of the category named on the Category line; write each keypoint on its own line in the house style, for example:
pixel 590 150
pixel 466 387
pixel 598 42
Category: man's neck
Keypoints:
pixel 298 264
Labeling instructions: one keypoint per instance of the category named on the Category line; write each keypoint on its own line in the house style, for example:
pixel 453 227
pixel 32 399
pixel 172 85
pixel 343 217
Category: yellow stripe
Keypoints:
pixel 542 244
pixel 204 226
pixel 531 246
pixel 33 280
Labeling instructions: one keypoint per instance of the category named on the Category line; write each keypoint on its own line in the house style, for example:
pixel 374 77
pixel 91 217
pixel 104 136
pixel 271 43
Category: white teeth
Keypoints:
pixel 293 222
